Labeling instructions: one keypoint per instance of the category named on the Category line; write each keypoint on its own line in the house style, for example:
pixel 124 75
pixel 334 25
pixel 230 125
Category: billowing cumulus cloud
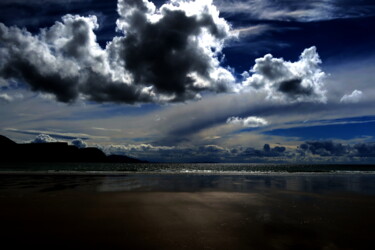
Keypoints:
pixel 166 54
pixel 286 81
pixel 174 50
pixel 43 138
pixel 248 122
pixel 354 97
pixel 79 143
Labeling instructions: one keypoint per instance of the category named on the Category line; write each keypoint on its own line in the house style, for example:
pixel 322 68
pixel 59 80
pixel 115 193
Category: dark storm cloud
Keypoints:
pixel 101 89
pixel 171 54
pixel 325 148
pixel 330 148
pixel 163 53
pixel 203 153
pixel 267 151
pixel 311 151
pixel 63 87
pixel 294 87
pixel 365 149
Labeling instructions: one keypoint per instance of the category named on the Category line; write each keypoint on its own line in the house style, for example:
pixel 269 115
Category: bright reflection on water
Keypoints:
pixel 304 182
pixel 359 183
pixel 200 168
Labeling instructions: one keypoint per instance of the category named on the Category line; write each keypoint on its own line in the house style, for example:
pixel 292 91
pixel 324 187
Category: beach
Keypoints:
pixel 175 211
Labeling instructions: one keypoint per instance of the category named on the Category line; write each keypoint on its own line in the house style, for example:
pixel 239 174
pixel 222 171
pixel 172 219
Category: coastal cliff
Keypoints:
pixel 11 151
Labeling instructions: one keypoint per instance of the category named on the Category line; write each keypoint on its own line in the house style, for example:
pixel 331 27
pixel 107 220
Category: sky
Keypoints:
pixel 274 81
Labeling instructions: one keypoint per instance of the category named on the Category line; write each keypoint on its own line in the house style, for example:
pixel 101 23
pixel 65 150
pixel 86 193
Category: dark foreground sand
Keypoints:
pixel 81 213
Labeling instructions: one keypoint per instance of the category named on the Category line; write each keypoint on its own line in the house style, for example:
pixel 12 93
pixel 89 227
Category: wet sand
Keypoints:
pixel 104 212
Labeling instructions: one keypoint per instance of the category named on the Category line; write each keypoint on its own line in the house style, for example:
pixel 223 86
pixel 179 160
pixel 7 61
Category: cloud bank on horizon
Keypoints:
pixel 309 151
pixel 167 54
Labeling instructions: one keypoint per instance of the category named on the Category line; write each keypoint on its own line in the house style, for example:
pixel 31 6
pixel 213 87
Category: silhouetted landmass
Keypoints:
pixel 55 152
pixel 5 141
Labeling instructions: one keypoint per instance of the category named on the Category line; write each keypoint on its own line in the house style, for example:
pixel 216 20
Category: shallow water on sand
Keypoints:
pixel 188 211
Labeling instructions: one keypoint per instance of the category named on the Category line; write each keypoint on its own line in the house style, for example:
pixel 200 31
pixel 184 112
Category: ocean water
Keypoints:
pixel 190 177
pixel 189 206
pixel 185 168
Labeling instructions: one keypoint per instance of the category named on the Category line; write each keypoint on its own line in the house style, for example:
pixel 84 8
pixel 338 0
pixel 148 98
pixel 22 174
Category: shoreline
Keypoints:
pixel 193 173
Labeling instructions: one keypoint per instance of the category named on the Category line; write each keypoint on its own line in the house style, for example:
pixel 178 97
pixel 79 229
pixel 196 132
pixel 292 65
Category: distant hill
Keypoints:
pixel 6 141
pixel 55 152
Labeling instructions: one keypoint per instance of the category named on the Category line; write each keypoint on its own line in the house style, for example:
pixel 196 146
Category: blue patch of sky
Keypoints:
pixel 323 132
pixel 34 16
pixel 341 39
pixel 13 85
pixel 359 119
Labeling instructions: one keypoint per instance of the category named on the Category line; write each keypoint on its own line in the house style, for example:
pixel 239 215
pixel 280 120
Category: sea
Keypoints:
pixel 187 206
pixel 184 168
pixel 193 177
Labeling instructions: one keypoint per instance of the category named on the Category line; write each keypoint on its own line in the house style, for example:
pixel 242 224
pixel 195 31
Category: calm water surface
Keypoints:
pixel 187 206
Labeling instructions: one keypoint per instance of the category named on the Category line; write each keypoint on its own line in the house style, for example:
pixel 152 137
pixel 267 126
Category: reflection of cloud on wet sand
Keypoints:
pixel 265 218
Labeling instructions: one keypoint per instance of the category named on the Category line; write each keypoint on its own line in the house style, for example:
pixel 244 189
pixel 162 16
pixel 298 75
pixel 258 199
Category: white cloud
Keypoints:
pixel 79 143
pixel 65 135
pixel 249 122
pixel 354 97
pixel 135 148
pixel 252 30
pixel 300 81
pixel 10 98
pixel 5 97
pixel 107 129
pixel 43 138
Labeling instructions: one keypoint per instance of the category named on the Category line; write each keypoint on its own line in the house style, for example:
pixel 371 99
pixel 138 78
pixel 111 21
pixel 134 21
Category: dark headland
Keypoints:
pixel 11 151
